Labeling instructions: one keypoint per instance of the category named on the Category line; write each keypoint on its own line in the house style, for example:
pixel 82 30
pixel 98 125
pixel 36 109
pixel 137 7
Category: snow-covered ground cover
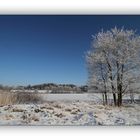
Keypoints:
pixel 69 113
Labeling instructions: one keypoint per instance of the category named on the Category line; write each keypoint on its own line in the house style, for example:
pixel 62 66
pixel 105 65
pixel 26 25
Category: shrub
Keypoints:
pixel 27 97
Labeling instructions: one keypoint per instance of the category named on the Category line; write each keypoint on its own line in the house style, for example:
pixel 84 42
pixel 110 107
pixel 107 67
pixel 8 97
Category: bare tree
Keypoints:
pixel 114 59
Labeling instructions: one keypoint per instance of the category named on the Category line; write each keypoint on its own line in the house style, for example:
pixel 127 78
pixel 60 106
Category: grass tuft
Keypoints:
pixel 8 98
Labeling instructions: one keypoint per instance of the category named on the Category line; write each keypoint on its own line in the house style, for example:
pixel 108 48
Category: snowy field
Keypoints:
pixel 69 113
pixel 71 97
pixel 70 109
pixel 96 97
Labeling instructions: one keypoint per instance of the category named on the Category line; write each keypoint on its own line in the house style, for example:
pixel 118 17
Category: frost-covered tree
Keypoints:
pixel 114 62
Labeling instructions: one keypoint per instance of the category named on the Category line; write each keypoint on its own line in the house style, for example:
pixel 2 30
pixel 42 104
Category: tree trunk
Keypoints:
pixel 103 99
pixel 119 82
pixel 118 99
pixel 121 99
pixel 120 85
pixel 114 98
pixel 106 100
pixel 119 94
pixel 111 78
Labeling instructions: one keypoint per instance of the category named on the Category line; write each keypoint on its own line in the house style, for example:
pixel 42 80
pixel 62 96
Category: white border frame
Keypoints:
pixel 81 7
pixel 69 7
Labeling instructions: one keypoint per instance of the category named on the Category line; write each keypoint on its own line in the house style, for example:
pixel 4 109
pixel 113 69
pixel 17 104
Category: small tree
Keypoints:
pixel 114 61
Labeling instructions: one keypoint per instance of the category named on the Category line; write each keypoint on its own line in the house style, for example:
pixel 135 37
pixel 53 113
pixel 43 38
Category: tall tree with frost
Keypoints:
pixel 114 62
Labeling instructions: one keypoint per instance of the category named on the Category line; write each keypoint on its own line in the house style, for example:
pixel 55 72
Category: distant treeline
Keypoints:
pixel 55 88
pixel 50 87
pixel 2 87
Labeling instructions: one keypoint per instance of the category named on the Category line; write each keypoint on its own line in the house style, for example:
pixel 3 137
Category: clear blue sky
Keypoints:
pixel 42 49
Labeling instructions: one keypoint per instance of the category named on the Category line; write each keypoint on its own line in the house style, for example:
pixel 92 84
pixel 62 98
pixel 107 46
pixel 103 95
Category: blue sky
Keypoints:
pixel 42 49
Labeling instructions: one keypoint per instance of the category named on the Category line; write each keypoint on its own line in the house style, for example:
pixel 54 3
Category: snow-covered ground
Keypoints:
pixel 69 113
pixel 72 97
pixel 96 97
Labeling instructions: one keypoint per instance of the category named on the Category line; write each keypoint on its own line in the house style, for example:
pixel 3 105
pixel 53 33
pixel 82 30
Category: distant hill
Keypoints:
pixel 56 88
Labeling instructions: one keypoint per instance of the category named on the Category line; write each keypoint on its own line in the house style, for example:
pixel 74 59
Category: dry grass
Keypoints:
pixel 23 97
pixel 7 98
